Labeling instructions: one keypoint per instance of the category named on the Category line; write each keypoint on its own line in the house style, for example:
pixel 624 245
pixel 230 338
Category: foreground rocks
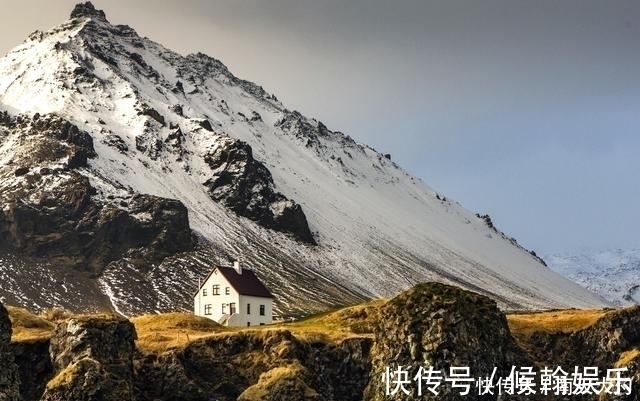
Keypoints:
pixel 439 326
pixel 9 379
pixel 251 366
pixel 95 358
pixel 611 342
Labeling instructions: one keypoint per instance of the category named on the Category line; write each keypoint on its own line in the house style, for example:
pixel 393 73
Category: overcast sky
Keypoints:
pixel 526 110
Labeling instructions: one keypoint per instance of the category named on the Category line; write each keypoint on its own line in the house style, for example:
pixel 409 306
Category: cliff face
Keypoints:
pixel 52 211
pixel 611 342
pixel 93 359
pixel 96 358
pixel 34 367
pixel 269 365
pixel 9 379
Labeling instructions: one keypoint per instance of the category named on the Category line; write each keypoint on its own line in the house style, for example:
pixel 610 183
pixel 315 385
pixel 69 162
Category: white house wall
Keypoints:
pixel 216 301
pixel 254 317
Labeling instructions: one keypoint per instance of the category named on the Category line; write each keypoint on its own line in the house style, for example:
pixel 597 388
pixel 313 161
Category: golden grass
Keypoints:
pixel 337 325
pixel 523 325
pixel 167 331
pixel 71 372
pixel 28 327
pixel 276 379
pixel 626 357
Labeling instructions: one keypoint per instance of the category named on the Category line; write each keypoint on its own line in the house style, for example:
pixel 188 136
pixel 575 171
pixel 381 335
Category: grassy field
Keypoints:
pixel 523 325
pixel 27 326
pixel 168 331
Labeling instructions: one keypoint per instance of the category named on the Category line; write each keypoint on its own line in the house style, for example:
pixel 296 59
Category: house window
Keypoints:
pixel 232 308
pixel 207 309
pixel 216 289
pixel 204 292
pixel 227 291
pixel 248 309
pixel 262 310
pixel 261 324
pixel 248 324
pixel 223 309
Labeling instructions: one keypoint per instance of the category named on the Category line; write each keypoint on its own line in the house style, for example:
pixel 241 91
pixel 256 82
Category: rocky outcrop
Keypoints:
pixel 61 221
pixel 9 379
pixel 282 383
pixel 612 341
pixel 50 210
pixel 262 365
pixel 440 326
pixel 245 186
pixel 93 360
pixel 34 366
pixel 603 342
pixel 87 10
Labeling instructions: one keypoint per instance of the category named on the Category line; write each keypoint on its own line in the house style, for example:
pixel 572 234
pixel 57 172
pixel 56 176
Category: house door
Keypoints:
pixel 232 308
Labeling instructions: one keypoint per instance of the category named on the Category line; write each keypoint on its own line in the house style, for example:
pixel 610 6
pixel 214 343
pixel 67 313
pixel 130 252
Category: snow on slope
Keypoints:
pixel 378 229
pixel 613 274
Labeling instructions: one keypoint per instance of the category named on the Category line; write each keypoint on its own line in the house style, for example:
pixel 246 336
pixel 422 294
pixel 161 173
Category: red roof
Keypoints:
pixel 246 283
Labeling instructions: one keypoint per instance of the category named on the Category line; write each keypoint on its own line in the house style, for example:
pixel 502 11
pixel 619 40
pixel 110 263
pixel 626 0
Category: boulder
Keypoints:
pixel 93 360
pixel 440 326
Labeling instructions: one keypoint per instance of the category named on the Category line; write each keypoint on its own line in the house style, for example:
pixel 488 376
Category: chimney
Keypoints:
pixel 237 267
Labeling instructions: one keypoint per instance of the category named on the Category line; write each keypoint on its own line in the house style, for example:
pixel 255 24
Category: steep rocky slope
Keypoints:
pixel 110 143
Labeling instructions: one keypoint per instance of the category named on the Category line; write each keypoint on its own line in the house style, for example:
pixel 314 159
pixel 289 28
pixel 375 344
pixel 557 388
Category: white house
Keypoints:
pixel 234 296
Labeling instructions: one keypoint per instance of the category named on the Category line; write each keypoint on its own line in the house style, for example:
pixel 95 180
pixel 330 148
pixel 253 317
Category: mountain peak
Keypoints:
pixel 136 119
pixel 88 10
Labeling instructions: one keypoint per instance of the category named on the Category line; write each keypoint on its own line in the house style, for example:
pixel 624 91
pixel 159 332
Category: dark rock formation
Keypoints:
pixel 51 139
pixel 87 10
pixel 34 366
pixel 206 124
pixel 51 211
pixel 252 365
pixel 153 113
pixel 245 185
pixel 93 359
pixel 9 379
pixel 282 383
pixel 441 326
pixel 66 225
pixel 601 345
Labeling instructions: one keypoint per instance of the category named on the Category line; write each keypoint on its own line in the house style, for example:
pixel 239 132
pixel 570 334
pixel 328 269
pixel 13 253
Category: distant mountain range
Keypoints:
pixel 613 274
pixel 127 170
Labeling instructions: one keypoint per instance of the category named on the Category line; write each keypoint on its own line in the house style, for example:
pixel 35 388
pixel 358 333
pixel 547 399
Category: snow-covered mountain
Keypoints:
pixel 127 132
pixel 614 274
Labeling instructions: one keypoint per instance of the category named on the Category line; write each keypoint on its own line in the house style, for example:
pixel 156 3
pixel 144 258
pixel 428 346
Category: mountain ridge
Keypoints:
pixel 611 273
pixel 185 128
